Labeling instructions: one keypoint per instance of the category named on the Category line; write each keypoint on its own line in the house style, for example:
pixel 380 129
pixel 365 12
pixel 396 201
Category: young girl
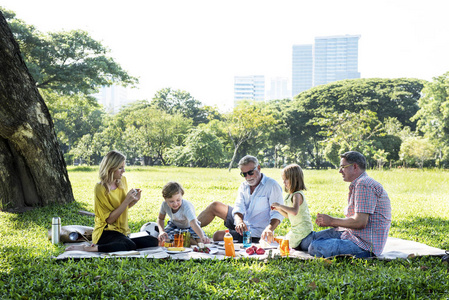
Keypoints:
pixel 112 201
pixel 295 207
pixel 181 213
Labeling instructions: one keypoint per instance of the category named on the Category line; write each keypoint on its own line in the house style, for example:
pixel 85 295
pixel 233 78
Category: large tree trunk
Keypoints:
pixel 32 169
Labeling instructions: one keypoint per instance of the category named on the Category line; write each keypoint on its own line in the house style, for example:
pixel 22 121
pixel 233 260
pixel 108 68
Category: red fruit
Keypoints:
pixel 260 251
pixel 272 207
pixel 250 251
pixel 254 248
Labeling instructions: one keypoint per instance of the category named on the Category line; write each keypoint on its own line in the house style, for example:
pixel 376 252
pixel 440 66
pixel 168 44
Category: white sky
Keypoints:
pixel 199 46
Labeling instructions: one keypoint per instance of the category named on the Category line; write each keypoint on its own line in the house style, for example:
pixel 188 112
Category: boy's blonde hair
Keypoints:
pixel 110 163
pixel 295 176
pixel 172 188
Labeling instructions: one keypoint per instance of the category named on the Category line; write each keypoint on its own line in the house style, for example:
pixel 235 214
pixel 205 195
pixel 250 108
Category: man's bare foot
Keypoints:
pixel 88 248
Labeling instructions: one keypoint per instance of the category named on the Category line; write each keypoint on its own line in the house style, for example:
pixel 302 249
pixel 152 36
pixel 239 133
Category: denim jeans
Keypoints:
pixel 327 243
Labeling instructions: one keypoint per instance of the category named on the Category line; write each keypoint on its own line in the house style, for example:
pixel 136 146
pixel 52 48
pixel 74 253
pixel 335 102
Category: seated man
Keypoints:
pixel 252 206
pixel 364 231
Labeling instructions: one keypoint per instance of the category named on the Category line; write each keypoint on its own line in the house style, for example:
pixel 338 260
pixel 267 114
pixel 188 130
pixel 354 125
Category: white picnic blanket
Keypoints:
pixel 394 248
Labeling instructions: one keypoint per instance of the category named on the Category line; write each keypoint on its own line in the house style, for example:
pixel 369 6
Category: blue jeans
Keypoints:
pixel 327 243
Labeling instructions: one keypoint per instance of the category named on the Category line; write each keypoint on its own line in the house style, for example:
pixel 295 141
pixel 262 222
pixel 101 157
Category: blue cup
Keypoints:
pixel 246 239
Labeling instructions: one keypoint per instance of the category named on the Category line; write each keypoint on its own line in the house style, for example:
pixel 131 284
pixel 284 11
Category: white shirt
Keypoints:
pixel 183 216
pixel 256 207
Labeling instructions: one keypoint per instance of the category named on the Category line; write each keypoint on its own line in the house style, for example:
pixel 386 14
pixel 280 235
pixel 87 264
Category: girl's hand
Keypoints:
pixel 275 206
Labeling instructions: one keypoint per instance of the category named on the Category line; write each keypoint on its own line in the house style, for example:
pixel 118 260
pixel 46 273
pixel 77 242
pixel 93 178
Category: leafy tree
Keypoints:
pixel 248 121
pixel 433 115
pixel 181 102
pixel 350 131
pixel 396 98
pixel 416 150
pixel 66 61
pixel 74 116
pixel 202 149
pixel 154 132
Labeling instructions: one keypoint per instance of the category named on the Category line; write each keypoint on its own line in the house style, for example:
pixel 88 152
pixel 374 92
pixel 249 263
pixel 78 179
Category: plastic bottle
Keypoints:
pixel 229 244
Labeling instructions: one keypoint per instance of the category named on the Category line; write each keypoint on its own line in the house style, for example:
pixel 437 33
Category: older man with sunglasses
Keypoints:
pixel 252 207
pixel 364 230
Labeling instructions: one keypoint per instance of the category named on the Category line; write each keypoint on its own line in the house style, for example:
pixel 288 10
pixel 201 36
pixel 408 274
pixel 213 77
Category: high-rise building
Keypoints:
pixel 278 89
pixel 112 98
pixel 335 58
pixel 302 68
pixel 250 87
pixel 332 58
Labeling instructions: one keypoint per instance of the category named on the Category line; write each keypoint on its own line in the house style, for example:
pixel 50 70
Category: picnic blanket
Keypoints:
pixel 395 248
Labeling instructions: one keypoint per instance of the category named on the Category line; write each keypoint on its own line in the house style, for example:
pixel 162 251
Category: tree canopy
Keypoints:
pixel 66 61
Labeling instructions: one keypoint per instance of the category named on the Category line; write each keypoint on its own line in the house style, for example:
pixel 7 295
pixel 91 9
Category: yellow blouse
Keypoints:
pixel 104 205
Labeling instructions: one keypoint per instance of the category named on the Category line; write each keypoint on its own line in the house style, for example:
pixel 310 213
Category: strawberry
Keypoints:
pixel 250 251
pixel 260 251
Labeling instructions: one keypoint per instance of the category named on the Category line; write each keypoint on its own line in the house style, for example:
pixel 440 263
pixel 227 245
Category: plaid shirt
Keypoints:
pixel 368 196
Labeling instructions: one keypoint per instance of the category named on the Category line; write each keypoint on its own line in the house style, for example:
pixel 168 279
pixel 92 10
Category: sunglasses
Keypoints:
pixel 344 167
pixel 250 173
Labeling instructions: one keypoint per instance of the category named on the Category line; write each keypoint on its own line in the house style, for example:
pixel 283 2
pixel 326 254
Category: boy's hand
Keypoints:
pixel 162 237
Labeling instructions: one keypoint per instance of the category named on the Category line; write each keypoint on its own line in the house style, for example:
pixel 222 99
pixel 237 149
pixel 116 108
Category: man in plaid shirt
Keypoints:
pixel 364 230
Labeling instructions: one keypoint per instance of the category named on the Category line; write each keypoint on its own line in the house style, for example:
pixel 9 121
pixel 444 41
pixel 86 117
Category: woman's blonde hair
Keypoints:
pixel 110 163
pixel 293 173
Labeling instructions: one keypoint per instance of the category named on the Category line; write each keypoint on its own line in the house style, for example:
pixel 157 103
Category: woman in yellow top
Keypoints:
pixel 295 208
pixel 111 210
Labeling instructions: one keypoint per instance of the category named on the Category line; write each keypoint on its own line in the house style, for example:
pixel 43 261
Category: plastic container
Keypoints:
pixel 229 244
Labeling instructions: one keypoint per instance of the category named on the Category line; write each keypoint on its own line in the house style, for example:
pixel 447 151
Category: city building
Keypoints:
pixel 250 87
pixel 112 98
pixel 302 68
pixel 278 89
pixel 330 59
pixel 335 58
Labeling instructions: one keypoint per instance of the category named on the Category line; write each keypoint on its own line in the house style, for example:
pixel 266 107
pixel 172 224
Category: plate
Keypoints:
pixel 176 252
pixel 212 250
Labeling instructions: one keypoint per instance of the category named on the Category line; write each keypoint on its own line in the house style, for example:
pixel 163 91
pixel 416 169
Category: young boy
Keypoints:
pixel 181 213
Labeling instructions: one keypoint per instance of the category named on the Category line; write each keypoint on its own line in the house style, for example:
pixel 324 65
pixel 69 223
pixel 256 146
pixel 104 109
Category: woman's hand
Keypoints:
pixel 134 196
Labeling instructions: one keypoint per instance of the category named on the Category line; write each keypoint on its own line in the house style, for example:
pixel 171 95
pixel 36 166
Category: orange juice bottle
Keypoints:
pixel 229 244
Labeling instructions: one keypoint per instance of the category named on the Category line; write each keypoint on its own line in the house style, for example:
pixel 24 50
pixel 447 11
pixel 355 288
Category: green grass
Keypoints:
pixel 420 204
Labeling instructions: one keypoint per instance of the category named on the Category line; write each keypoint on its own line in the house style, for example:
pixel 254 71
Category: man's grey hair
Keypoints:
pixel 248 159
pixel 355 157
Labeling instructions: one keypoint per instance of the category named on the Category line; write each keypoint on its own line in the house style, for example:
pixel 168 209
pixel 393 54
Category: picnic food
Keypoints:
pixel 175 249
pixel 253 249
pixel 201 248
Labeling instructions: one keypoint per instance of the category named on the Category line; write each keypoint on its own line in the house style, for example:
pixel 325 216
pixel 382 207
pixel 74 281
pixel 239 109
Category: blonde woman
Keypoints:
pixel 112 201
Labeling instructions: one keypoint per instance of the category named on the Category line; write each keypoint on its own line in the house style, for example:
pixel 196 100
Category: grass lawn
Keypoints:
pixel 420 204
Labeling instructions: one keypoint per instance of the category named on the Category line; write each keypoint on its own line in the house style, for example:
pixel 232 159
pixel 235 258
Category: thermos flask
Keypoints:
pixel 55 230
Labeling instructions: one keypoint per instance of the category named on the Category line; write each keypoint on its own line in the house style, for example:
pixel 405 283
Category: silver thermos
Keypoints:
pixel 55 230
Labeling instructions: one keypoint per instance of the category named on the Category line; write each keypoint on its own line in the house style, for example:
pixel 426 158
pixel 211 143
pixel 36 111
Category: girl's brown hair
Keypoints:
pixel 295 176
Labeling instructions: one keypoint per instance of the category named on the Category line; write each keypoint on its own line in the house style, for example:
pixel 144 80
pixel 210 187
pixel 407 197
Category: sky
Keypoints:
pixel 199 46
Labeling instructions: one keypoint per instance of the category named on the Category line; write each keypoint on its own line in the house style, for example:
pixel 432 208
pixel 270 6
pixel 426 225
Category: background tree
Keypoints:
pixel 181 102
pixel 31 163
pixel 67 61
pixel 416 151
pixel 202 149
pixel 248 121
pixel 433 116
